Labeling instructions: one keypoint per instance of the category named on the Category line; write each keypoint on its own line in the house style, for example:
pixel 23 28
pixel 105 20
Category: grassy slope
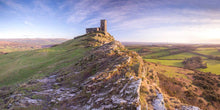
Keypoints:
pixel 18 66
pixel 170 71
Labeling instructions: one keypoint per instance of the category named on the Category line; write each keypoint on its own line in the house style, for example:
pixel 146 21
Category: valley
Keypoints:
pixel 174 54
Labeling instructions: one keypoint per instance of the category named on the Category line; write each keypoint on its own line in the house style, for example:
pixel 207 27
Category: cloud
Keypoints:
pixel 41 7
pixel 29 9
pixel 14 5
pixel 84 9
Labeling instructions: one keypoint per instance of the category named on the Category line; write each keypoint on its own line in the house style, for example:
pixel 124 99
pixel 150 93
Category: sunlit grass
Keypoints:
pixel 155 55
pixel 208 51
pixel 170 71
pixel 177 63
pixel 157 49
pixel 213 66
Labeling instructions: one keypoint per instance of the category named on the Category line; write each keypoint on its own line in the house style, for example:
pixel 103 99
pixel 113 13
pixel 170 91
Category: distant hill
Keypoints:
pixel 36 41
pixel 11 45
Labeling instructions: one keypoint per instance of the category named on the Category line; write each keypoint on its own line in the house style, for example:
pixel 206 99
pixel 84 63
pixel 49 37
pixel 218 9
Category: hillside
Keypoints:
pixel 93 71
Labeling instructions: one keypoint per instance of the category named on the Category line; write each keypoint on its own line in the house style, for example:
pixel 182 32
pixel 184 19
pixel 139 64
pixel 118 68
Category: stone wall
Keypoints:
pixel 90 30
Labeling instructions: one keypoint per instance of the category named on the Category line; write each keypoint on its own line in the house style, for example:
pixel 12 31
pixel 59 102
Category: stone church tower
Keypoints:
pixel 103 26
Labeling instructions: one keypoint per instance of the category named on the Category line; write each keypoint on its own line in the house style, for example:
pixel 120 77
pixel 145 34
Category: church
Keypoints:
pixel 102 28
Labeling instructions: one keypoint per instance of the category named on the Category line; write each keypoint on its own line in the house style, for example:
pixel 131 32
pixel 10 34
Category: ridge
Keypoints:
pixel 106 76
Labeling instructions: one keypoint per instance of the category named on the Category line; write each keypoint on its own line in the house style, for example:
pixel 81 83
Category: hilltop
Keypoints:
pixel 92 71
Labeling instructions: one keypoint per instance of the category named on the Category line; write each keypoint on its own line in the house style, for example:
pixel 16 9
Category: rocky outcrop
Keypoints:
pixel 113 84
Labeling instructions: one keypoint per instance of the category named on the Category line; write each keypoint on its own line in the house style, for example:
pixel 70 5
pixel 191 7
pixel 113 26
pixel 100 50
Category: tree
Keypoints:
pixel 194 63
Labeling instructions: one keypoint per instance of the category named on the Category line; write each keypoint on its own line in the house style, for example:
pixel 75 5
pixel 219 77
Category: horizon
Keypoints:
pixel 173 21
pixel 136 42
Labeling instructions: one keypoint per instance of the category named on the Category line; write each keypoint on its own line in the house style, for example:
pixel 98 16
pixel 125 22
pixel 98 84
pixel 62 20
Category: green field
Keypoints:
pixel 208 51
pixel 213 66
pixel 156 49
pixel 180 56
pixel 156 55
pixel 176 63
pixel 147 48
pixel 170 58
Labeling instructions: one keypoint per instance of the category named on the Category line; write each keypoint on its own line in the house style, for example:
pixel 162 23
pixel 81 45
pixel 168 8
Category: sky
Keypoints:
pixel 168 21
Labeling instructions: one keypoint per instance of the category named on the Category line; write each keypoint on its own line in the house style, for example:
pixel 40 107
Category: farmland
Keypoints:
pixel 173 55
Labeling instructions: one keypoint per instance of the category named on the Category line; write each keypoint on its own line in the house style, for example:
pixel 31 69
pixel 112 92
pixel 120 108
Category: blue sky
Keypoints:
pixel 179 21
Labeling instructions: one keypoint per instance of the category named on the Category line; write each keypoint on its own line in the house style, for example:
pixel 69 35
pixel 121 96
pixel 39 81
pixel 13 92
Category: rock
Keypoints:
pixel 158 103
pixel 190 108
